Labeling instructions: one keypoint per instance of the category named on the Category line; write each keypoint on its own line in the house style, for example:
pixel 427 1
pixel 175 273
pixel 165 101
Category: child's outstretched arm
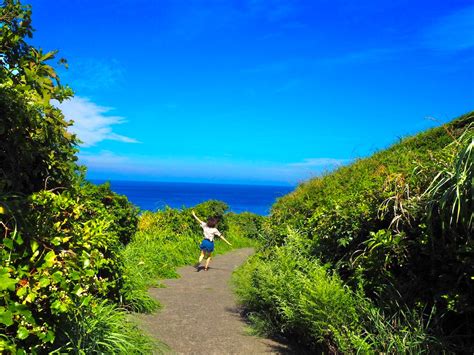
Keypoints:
pixel 225 240
pixel 196 217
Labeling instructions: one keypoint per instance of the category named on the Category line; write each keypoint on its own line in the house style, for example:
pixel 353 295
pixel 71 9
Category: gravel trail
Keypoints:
pixel 200 314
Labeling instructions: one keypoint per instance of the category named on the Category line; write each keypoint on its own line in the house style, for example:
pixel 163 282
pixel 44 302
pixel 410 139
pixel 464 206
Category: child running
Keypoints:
pixel 207 245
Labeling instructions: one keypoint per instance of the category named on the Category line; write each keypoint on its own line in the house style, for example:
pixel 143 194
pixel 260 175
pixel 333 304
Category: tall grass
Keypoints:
pixel 104 328
pixel 451 191
pixel 287 292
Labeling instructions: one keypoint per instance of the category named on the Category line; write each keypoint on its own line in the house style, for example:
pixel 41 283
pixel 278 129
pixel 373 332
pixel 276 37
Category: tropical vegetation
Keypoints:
pixel 376 256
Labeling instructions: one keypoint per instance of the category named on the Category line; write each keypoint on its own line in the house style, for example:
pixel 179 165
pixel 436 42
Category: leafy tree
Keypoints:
pixel 36 150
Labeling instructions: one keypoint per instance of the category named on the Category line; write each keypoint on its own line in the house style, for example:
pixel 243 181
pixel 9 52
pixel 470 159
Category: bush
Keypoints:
pixel 61 237
pixel 245 224
pixel 100 198
pixel 61 255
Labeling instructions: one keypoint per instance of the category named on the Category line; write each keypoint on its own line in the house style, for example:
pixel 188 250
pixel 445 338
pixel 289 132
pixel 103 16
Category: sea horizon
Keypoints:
pixel 156 195
pixel 269 183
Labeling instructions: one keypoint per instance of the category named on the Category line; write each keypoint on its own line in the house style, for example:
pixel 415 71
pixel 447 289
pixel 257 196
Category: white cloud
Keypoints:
pixel 91 122
pixel 106 164
pixel 105 159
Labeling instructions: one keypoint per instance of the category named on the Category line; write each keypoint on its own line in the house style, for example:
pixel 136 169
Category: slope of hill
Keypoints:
pixel 381 246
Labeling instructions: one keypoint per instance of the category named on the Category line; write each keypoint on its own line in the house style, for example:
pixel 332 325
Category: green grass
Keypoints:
pixel 288 293
pixel 105 328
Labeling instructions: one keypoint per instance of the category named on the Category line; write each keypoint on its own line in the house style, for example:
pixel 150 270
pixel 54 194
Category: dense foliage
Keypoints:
pixel 63 255
pixel 396 226
pixel 61 238
pixel 36 151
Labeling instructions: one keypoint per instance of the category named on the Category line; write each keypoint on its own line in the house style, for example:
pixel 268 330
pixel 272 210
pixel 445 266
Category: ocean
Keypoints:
pixel 156 195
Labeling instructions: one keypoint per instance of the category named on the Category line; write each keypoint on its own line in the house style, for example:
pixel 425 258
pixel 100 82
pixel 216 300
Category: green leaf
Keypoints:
pixel 34 246
pixel 78 290
pixel 18 239
pixel 22 333
pixel 57 276
pixel 46 337
pixel 86 300
pixel 7 283
pixel 74 275
pixel 44 281
pixel 49 259
pixel 56 304
pixel 59 306
pixel 23 310
pixel 35 254
pixel 31 297
pixel 6 317
pixel 21 291
pixel 8 243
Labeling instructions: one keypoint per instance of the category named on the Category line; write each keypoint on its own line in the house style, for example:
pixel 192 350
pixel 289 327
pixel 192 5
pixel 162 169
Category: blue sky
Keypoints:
pixel 252 91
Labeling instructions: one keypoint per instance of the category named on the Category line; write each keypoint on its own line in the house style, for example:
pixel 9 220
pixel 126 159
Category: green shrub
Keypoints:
pixel 62 254
pixel 295 296
pixel 101 199
pixel 36 151
pixel 245 224
pixel 451 191
pixel 404 331
pixel 61 237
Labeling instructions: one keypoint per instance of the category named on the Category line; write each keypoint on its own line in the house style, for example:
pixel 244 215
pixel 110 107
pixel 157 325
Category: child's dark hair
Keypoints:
pixel 212 222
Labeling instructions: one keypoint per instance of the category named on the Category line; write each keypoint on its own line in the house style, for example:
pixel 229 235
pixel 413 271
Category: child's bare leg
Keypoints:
pixel 201 256
pixel 208 260
pixel 199 262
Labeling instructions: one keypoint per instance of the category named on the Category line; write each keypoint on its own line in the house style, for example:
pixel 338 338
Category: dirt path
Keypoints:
pixel 200 315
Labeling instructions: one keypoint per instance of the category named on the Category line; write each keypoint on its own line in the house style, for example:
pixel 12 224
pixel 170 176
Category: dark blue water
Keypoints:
pixel 156 195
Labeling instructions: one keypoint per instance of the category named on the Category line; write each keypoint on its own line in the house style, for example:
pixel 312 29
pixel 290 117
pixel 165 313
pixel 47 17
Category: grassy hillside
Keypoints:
pixel 396 228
